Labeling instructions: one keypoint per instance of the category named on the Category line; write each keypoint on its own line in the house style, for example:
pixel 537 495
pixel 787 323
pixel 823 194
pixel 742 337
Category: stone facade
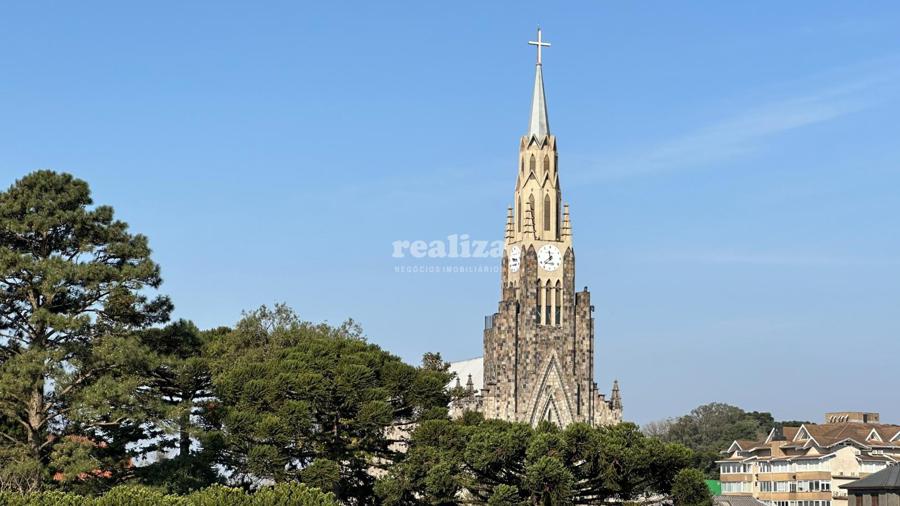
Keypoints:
pixel 539 345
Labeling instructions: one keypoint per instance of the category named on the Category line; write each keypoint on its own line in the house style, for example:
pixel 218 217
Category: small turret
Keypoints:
pixel 470 386
pixel 528 229
pixel 616 400
pixel 566 225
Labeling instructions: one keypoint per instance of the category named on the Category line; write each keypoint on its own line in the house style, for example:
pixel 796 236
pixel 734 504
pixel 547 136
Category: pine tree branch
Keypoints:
pixel 10 438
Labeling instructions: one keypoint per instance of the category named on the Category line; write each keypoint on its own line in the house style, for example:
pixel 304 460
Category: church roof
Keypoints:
pixel 538 124
pixel 473 366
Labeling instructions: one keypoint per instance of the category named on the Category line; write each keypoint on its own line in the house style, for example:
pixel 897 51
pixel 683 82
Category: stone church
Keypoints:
pixel 539 350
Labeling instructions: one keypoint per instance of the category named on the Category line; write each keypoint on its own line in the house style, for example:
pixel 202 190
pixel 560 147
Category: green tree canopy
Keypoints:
pixel 496 462
pixel 178 380
pixel 73 286
pixel 711 428
pixel 313 402
pixel 689 489
pixel 282 494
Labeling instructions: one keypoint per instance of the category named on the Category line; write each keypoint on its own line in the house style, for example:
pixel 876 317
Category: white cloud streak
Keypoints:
pixel 745 132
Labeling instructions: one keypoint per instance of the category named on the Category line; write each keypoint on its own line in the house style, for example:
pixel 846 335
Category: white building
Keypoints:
pixel 806 465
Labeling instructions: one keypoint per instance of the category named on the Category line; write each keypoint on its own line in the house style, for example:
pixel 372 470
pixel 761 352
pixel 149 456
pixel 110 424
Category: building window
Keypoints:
pixel 531 164
pixel 558 216
pixel 859 500
pixel 813 486
pixel 874 499
pixel 872 467
pixel 519 214
pixel 558 304
pixel 735 486
pixel 810 465
pixel 548 304
pixel 780 486
pixel 734 468
pixel 781 466
pixel 547 212
pixel 533 215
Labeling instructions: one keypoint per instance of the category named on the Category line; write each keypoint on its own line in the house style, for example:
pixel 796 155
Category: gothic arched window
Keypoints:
pixel 558 303
pixel 578 399
pixel 531 164
pixel 548 306
pixel 547 212
pixel 558 216
pixel 519 213
pixel 546 164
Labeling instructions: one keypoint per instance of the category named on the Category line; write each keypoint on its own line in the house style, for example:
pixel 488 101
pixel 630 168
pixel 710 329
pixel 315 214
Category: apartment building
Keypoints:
pixel 806 465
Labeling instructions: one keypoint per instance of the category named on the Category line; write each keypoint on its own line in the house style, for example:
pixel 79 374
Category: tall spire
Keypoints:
pixel 538 124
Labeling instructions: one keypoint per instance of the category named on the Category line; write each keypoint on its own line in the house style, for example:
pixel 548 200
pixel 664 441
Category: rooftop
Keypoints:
pixel 886 479
pixel 736 500
pixel 464 368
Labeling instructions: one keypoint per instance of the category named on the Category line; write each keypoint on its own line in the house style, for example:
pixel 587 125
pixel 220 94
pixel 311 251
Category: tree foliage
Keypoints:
pixel 286 494
pixel 689 489
pixel 302 401
pixel 179 382
pixel 711 428
pixel 73 287
pixel 89 380
pixel 495 462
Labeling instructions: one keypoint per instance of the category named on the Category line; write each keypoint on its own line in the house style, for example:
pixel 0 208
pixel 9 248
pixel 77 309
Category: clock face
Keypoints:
pixel 515 256
pixel 548 257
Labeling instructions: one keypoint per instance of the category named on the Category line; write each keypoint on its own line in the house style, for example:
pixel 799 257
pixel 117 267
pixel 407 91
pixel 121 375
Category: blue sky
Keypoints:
pixel 732 172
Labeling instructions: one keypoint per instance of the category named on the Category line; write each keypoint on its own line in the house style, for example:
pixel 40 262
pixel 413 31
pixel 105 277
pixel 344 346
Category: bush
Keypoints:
pixel 217 495
pixel 293 494
pixel 126 495
pixel 283 494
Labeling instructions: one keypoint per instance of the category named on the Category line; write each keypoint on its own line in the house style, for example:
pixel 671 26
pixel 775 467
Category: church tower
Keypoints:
pixel 539 346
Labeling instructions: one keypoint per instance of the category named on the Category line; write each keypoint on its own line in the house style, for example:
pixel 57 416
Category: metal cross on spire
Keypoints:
pixel 539 43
